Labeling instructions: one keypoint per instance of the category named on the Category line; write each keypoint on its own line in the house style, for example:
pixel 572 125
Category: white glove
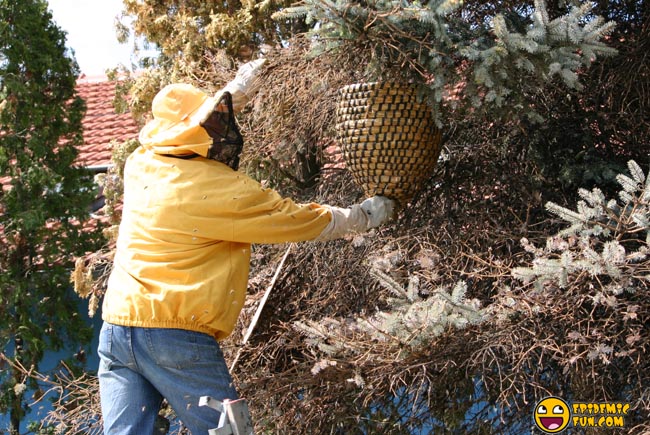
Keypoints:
pixel 371 213
pixel 245 84
pixel 379 210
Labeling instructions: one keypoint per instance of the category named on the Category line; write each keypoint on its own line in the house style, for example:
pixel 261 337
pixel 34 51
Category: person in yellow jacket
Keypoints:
pixel 182 261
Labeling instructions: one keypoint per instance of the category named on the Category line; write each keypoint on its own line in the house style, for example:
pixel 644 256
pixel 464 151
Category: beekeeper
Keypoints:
pixel 182 259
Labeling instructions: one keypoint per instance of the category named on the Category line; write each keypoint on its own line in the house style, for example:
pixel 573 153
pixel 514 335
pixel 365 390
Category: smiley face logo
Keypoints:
pixel 552 415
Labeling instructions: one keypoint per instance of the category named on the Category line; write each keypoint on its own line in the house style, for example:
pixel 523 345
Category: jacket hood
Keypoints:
pixel 178 110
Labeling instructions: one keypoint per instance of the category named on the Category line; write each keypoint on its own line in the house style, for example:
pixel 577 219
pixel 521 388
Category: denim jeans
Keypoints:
pixel 140 366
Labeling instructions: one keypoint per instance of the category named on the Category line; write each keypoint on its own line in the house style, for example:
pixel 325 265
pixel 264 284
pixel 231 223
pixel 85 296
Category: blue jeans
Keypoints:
pixel 140 366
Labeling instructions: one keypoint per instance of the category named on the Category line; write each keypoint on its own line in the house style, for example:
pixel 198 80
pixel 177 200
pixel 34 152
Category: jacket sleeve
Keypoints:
pixel 241 210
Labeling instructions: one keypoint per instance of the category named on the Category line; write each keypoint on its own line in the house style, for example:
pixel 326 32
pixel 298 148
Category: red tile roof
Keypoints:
pixel 101 124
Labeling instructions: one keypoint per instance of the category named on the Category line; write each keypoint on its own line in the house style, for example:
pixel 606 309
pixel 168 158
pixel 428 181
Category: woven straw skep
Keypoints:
pixel 389 139
pixel 376 102
pixel 378 88
pixel 396 116
pixel 382 110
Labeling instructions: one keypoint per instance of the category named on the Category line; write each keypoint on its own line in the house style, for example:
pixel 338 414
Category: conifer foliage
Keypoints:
pixel 606 238
pixel 439 323
pixel 497 61
pixel 44 200
pixel 411 322
pixel 579 311
pixel 190 36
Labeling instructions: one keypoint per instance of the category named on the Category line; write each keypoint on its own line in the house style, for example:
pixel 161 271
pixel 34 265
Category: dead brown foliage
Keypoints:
pixel 466 224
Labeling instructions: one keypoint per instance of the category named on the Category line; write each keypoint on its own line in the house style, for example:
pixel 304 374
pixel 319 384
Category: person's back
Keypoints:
pixel 184 242
pixel 182 260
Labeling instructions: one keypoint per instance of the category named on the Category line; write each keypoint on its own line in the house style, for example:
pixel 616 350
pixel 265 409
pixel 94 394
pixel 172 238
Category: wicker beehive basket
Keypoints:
pixel 389 139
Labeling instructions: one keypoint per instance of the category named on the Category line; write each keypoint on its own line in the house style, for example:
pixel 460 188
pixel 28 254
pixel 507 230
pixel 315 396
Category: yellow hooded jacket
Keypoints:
pixel 183 250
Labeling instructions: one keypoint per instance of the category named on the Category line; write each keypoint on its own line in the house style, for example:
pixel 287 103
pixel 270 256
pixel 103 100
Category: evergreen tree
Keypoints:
pixel 191 36
pixel 184 31
pixel 489 58
pixel 44 198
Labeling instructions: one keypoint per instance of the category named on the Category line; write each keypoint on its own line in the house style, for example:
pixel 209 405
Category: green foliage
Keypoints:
pixel 188 29
pixel 112 182
pixel 605 238
pixel 44 202
pixel 414 320
pixel 410 323
pixel 186 35
pixel 91 272
pixel 496 62
pixel 575 320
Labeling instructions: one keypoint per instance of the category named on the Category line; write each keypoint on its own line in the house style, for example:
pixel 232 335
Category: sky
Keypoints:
pixel 90 27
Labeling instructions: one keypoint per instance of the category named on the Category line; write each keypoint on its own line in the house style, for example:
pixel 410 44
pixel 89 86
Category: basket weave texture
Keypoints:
pixel 389 139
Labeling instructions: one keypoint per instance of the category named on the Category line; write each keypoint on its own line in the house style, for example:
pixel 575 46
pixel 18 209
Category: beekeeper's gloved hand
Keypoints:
pixel 359 218
pixel 245 84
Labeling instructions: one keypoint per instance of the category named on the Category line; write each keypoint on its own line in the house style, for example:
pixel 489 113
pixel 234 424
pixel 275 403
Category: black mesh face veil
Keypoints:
pixel 227 141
